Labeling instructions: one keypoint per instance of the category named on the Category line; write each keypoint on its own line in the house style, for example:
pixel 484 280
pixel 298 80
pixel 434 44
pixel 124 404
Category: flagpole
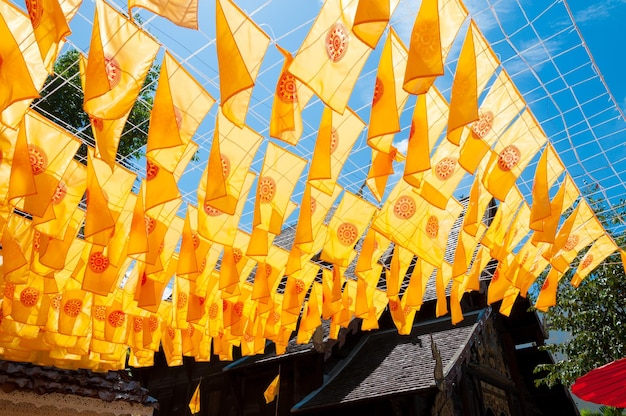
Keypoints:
pixel 277 393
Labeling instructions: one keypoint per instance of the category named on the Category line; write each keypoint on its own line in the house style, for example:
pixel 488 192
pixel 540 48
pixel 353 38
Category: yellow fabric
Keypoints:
pixel 600 250
pixel 291 98
pixel 271 391
pixel 180 105
pixel 414 295
pixel 389 98
pixel 236 147
pixel 549 168
pixel 503 219
pixel 241 46
pixel 371 19
pixel 187 261
pixel 99 216
pixel 436 25
pixel 331 72
pixel 562 201
pixel 464 94
pixel 547 295
pixel 501 104
pixel 344 132
pixel 373 246
pixel 161 186
pixel 22 71
pixel 380 169
pixel 513 152
pixel 567 233
pixel 345 228
pixel 180 12
pixel 138 236
pixel 50 27
pixel 440 182
pixel 442 281
pixel 400 263
pixel 120 56
pixel 194 403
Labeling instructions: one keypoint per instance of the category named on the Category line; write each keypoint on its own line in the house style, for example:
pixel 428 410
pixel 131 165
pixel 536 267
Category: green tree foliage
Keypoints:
pixel 604 411
pixel 62 101
pixel 593 314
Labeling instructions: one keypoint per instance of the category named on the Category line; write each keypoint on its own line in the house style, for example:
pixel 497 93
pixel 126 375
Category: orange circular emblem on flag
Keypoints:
pixel 38 159
pixel 29 297
pixel 98 262
pixel 545 285
pixel 211 211
pixel 73 307
pixel 9 290
pixel 432 226
pixel 393 305
pixel 337 42
pixel 237 255
pixel 508 158
pixel 572 241
pixel 313 205
pixel 225 165
pixel 287 89
pixel 150 224
pixel 238 308
pixel 195 240
pixel 153 323
pixel 334 140
pixel 299 286
pixel 97 122
pixel 496 275
pixel 137 324
pixel 404 208
pixel 412 129
pixel 347 233
pixel 113 70
pixel 275 317
pixel 99 312
pixel 268 270
pixel 152 170
pixel 267 189
pixel 56 301
pixel 214 310
pixel 59 193
pixel 35 11
pixel 171 332
pixel 117 318
pixel 36 240
pixel 587 261
pixel 190 330
pixel 445 168
pixel 424 38
pixel 483 125
pixel 378 91
pixel 350 301
pixel 181 301
pixel 248 338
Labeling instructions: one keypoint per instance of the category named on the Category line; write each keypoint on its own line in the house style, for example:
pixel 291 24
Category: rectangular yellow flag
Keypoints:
pixel 600 250
pixel 548 170
pixel 180 12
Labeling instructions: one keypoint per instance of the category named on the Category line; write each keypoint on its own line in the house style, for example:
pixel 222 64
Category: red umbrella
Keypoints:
pixel 604 385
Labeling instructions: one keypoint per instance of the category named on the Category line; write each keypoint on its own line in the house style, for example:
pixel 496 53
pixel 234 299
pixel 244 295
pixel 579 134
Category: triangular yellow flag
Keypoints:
pixel 271 391
pixel 194 403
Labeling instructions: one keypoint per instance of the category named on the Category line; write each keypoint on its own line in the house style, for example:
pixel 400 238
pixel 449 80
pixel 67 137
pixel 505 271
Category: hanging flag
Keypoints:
pixel 434 30
pixel 389 98
pixel 337 135
pixel 241 46
pixel 194 403
pixel 330 59
pixel 429 119
pixel 513 152
pixel 562 201
pixel 22 71
pixel 479 199
pixel 602 248
pixel 271 391
pixel 120 56
pixel 567 237
pixel 231 155
pixel 547 294
pixel 183 13
pixel 180 105
pixel 549 168
pixel 380 170
pixel 503 219
pixel 43 153
pixel 501 105
pixel 292 96
pixel 50 27
pixel 371 19
pixel 345 228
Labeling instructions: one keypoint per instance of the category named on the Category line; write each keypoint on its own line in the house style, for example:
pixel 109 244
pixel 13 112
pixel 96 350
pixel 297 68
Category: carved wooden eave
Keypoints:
pixel 18 402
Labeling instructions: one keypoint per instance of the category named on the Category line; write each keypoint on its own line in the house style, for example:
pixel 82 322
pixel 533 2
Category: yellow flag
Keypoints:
pixel 194 403
pixel 429 119
pixel 562 201
pixel 320 205
pixel 271 391
pixel 567 237
pixel 180 105
pixel 50 27
pixel 389 98
pixel 440 182
pixel 548 170
pixel 49 152
pixel 233 150
pixel 502 103
pixel 330 59
pixel 120 56
pixel 380 169
pixel 400 263
pixel 434 30
pixel 371 19
pixel 547 295
pixel 336 136
pixel 517 146
pixel 600 250
pixel 241 46
pixel 22 71
pixel 478 201
pixel 180 12
pixel 291 98
pixel 503 219
pixel 345 228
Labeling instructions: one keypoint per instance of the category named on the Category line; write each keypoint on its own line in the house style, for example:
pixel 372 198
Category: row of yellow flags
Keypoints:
pixel 81 302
